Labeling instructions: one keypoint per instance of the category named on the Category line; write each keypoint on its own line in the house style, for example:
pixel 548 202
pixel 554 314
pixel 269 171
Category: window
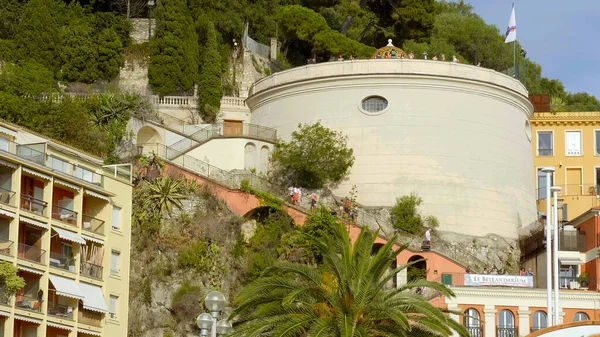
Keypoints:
pixel 541 185
pixel 581 316
pixel 573 143
pixel 545 144
pixel 114 262
pixel 112 307
pixel 116 217
pixel 539 321
pixel 597 142
pixel 506 324
pixel 374 104
pixel 4 144
pixel 58 164
pixel 472 323
pixel 84 174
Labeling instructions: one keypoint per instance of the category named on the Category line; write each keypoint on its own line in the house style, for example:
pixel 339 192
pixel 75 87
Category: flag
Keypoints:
pixel 511 31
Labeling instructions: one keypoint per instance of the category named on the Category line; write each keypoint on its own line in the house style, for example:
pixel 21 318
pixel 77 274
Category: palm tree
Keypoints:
pixel 343 297
pixel 164 193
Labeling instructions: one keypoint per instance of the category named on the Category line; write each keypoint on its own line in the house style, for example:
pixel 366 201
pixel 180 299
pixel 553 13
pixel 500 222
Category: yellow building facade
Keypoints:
pixel 569 142
pixel 65 224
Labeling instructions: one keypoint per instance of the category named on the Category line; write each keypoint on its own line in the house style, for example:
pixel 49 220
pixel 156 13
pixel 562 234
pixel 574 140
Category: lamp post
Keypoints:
pixel 548 171
pixel 235 54
pixel 214 302
pixel 555 190
pixel 150 5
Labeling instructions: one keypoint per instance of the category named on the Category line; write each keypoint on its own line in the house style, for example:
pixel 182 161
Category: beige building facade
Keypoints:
pixel 65 224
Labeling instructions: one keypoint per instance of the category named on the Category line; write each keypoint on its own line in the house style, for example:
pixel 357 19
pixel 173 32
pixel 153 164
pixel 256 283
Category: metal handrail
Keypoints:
pixel 64 215
pixel 91 224
pixel 7 196
pixel 91 270
pixel 30 253
pixel 62 261
pixel 28 303
pixel 58 310
pixel 33 205
pixel 6 247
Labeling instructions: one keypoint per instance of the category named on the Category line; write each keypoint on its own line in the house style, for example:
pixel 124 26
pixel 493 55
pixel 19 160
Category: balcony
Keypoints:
pixel 7 197
pixel 571 241
pixel 28 303
pixel 510 331
pixel 62 261
pixel 6 247
pixel 89 317
pixel 33 205
pixel 91 270
pixel 474 331
pixel 31 253
pixel 56 309
pixel 31 154
pixel 93 225
pixel 64 215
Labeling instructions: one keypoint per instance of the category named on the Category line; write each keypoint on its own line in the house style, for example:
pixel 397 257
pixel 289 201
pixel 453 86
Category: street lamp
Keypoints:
pixel 150 5
pixel 555 190
pixel 549 172
pixel 214 302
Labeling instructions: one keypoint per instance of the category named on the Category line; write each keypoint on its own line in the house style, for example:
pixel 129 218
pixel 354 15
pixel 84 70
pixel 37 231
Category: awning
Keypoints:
pixel 66 184
pixel 30 270
pixel 7 213
pixel 65 287
pixel 33 222
pixel 59 326
pixel 8 164
pixel 89 332
pixel 7 131
pixel 37 174
pixel 28 319
pixel 97 195
pixel 93 299
pixel 69 236
pixel 571 261
pixel 4 313
pixel 89 238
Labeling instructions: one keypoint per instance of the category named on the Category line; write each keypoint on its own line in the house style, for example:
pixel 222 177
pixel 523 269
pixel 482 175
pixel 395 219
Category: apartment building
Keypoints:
pixel 65 225
pixel 569 142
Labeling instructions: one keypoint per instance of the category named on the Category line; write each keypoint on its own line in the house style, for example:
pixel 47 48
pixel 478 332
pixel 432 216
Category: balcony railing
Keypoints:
pixel 92 224
pixel 28 303
pixel 62 261
pixel 89 317
pixel 91 270
pixel 58 310
pixel 33 205
pixel 6 247
pixel 509 331
pixel 7 197
pixel 475 331
pixel 31 154
pixel 31 253
pixel 571 241
pixel 64 214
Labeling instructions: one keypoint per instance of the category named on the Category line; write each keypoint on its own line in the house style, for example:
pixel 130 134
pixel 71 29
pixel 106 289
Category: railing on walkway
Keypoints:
pixel 28 303
pixel 6 247
pixel 91 270
pixel 64 214
pixel 30 253
pixel 507 331
pixel 7 197
pixel 58 310
pixel 92 224
pixel 62 261
pixel 33 205
pixel 191 101
pixel 89 317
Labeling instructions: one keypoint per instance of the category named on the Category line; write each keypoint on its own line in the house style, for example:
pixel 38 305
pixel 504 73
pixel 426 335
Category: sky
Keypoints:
pixel 561 36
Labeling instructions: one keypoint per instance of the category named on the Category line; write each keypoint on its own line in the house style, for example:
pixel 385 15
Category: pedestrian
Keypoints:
pixel 295 196
pixel 486 270
pixel 291 193
pixel 468 270
pixel 443 57
pixel 313 200
pixel 411 55
pixel 522 272
pixel 428 236
pixel 299 195
pixel 529 272
pixel 434 58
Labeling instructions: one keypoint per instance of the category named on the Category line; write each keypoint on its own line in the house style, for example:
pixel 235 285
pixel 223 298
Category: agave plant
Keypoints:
pixel 346 296
pixel 164 193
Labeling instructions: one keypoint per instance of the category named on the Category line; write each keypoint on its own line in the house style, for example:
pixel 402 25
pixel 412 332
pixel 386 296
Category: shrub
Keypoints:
pixel 185 302
pixel 405 215
pixel 147 291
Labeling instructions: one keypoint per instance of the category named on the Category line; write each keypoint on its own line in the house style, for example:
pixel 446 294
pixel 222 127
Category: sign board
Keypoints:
pixel 478 280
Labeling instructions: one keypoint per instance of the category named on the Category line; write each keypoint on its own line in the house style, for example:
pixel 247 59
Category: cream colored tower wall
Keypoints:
pixel 455 134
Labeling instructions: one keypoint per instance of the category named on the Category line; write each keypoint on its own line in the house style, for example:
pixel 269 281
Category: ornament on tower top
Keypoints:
pixel 389 43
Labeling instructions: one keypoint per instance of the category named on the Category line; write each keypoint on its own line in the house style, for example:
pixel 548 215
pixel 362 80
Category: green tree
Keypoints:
pixel 173 66
pixel 10 282
pixel 405 215
pixel 110 54
pixel 210 89
pixel 26 78
pixel 79 53
pixel 345 296
pixel 164 193
pixel 314 157
pixel 415 20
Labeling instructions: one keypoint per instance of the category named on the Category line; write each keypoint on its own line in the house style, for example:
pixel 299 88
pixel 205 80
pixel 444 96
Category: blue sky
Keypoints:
pixel 562 36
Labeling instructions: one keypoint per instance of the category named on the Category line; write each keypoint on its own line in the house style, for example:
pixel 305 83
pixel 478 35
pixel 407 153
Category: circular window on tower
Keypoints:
pixel 374 105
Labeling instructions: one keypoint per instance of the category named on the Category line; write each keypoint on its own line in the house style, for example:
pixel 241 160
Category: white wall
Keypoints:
pixel 455 134
pixel 230 153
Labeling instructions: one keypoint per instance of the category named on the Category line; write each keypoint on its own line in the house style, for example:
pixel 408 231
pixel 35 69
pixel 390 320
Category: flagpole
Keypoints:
pixel 515 58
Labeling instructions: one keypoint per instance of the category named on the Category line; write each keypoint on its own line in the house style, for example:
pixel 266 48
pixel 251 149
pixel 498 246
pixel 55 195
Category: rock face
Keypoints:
pixel 133 78
pixel 139 33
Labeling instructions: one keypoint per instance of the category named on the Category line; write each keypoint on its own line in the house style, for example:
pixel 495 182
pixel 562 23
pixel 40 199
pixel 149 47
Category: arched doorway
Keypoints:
pixel 472 322
pixel 538 321
pixel 148 140
pixel 418 270
pixel 249 156
pixel 506 324
pixel 393 283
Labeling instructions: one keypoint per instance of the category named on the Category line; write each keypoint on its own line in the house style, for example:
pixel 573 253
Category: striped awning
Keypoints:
pixel 7 131
pixel 65 287
pixel 33 222
pixel 93 239
pixel 69 236
pixel 8 164
pixel 97 195
pixel 7 213
pixel 28 319
pixel 89 332
pixel 94 299
pixel 30 270
pixel 4 313
pixel 66 184
pixel 37 174
pixel 59 326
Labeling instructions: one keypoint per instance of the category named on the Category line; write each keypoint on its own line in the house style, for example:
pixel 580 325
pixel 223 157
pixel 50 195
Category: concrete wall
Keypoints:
pixel 455 134
pixel 233 153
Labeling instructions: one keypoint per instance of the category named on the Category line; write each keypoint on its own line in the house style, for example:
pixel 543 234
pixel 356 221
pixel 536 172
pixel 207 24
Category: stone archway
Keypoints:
pixel 418 270
pixel 149 140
